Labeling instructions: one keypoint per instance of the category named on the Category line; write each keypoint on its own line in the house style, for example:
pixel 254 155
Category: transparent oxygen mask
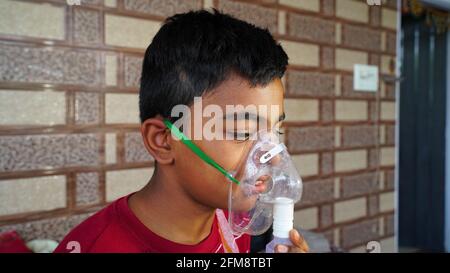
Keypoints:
pixel 267 176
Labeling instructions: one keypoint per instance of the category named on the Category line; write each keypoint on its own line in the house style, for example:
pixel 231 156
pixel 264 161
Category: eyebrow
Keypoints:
pixel 251 116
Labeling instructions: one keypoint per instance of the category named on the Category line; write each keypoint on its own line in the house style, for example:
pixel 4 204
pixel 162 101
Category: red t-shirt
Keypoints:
pixel 116 229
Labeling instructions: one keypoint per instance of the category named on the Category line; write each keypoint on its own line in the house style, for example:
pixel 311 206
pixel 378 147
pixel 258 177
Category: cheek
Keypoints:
pixel 202 181
pixel 228 154
pixel 208 186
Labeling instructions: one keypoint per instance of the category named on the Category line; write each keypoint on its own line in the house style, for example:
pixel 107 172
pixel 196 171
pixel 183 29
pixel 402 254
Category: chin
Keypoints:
pixel 245 205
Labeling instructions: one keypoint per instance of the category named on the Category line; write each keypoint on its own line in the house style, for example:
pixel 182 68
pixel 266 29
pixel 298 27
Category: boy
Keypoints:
pixel 224 61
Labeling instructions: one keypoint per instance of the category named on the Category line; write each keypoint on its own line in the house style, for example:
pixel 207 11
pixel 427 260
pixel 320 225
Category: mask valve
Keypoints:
pixel 272 153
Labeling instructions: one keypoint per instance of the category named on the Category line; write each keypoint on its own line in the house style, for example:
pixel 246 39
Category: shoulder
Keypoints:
pixel 98 233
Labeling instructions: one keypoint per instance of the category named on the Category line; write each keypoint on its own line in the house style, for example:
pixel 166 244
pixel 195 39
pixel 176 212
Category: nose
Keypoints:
pixel 275 160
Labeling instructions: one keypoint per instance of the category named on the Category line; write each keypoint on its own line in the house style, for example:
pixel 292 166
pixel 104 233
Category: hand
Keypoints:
pixel 299 244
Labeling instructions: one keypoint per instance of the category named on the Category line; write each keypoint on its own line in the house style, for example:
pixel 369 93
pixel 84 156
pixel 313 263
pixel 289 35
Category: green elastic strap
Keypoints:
pixel 198 151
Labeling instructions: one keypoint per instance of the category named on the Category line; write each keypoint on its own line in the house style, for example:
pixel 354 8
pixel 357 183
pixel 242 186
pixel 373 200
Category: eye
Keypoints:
pixel 279 131
pixel 241 136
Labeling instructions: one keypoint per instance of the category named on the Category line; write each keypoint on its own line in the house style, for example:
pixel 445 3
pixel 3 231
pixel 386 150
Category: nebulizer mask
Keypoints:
pixel 269 183
pixel 264 185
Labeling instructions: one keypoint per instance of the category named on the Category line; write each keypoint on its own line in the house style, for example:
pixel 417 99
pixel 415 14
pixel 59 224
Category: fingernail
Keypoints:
pixel 296 235
pixel 282 249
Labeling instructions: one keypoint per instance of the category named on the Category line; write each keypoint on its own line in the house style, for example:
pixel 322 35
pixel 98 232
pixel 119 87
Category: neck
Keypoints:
pixel 168 210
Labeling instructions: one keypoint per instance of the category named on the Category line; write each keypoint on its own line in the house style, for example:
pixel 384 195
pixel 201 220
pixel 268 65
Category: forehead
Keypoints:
pixel 238 91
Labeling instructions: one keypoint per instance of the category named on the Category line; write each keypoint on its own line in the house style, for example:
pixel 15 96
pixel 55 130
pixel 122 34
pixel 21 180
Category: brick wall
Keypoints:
pixel 69 131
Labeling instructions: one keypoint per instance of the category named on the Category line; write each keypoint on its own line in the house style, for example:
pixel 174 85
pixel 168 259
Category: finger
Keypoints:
pixel 294 249
pixel 298 240
pixel 288 249
pixel 281 249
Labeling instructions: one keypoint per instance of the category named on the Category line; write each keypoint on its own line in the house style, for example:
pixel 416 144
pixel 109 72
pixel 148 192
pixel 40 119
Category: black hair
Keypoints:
pixel 194 52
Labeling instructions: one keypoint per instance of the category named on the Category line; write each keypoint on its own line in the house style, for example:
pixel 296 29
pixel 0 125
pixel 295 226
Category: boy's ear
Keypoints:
pixel 157 140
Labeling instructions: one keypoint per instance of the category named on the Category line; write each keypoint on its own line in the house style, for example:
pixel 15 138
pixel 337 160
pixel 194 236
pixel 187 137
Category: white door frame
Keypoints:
pixel 447 155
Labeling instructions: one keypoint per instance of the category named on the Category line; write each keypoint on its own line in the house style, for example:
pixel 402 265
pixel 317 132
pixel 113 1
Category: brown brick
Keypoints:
pixel 361 37
pixel 92 2
pixel 373 204
pixel 329 235
pixel 327 163
pixel 87 188
pixel 327 57
pixel 373 110
pixel 359 135
pixel 391 4
pixel 317 191
pixel 389 222
pixel 326 110
pixel 162 8
pixel 390 179
pixel 390 91
pixel 349 92
pixel 373 158
pixel 132 70
pixel 135 150
pixel 32 64
pixel 255 14
pixel 359 233
pixel 328 7
pixel 52 228
pixel 390 134
pixel 310 83
pixel 374 59
pixel 326 215
pixel 87 108
pixel 268 1
pixel 375 16
pixel 391 42
pixel 302 139
pixel 311 28
pixel 359 184
pixel 86 24
pixel 37 152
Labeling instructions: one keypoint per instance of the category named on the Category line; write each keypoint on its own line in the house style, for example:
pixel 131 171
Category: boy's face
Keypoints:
pixel 204 183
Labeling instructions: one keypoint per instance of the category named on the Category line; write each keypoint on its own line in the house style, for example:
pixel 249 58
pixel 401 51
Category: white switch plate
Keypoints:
pixel 365 78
